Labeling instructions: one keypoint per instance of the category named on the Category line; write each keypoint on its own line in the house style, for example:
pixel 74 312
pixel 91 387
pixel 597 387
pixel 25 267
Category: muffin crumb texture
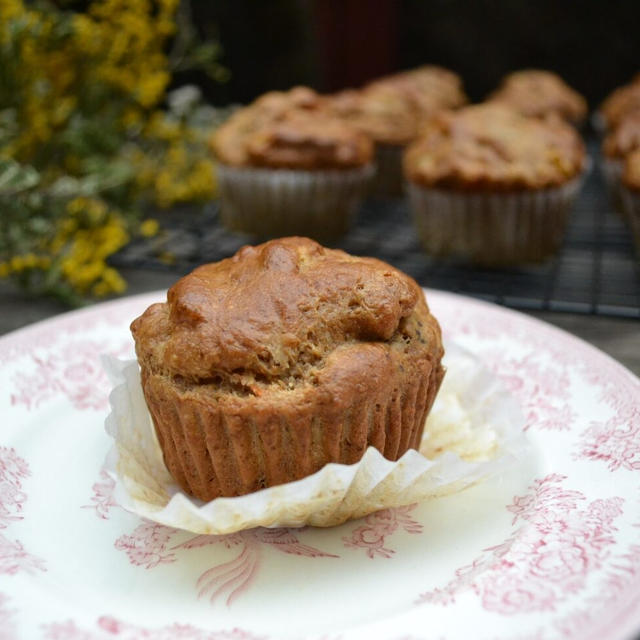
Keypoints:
pixel 262 368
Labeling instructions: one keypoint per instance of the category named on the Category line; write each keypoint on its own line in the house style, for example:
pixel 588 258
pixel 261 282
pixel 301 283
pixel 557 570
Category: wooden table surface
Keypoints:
pixel 618 337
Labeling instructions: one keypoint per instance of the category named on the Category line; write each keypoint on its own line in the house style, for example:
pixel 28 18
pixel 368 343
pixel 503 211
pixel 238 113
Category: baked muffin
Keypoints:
pixel 429 87
pixel 264 367
pixel 287 166
pixel 630 194
pixel 538 93
pixel 391 111
pixel 618 104
pixel 489 184
pixel 622 140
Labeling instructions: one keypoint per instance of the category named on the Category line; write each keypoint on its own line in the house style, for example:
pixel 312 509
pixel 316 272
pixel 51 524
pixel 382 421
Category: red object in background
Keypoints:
pixel 358 40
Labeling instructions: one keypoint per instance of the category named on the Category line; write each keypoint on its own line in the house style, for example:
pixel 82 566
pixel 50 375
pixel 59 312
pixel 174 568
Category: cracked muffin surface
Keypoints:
pixel 264 367
pixel 491 147
pixel 290 130
pixel 538 93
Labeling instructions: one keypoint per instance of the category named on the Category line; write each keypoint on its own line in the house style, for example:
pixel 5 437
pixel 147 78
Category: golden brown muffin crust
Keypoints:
pixel 309 141
pixel 379 111
pixel 491 147
pixel 264 367
pixel 429 87
pixel 538 93
pixel 392 109
pixel 621 102
pixel 624 138
pixel 290 130
pixel 269 310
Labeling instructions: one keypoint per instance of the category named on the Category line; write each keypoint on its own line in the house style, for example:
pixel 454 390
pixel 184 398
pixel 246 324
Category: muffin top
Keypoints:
pixel 284 313
pixel 429 87
pixel 391 110
pixel 379 111
pixel 491 147
pixel 538 93
pixel 623 138
pixel 621 102
pixel 289 130
pixel 631 171
pixel 303 140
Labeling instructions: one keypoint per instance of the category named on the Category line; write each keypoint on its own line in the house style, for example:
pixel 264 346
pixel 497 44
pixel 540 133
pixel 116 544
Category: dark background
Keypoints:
pixel 332 44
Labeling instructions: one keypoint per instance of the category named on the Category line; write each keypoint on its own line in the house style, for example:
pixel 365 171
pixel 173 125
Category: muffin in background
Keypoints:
pixel 538 93
pixel 621 102
pixel 622 140
pixel 493 186
pixel 431 88
pixel 264 367
pixel 287 166
pixel 391 110
pixel 630 194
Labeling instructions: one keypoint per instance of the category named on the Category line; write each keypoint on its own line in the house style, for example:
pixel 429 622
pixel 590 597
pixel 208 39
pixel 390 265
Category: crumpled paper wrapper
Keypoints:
pixel 474 430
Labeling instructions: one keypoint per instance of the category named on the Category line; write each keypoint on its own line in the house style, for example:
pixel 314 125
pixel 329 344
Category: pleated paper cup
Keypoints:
pixel 219 449
pixel 493 229
pixel 269 203
pixel 474 430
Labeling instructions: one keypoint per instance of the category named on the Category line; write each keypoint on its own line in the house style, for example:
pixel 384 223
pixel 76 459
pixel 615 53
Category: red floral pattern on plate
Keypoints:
pixel 547 560
pixel 148 546
pixel 13 470
pixel 543 389
pixel 615 441
pixel 578 532
pixel 108 627
pixel 102 497
pixel 371 535
pixel 150 543
pixel 7 624
pixel 74 371
pixel 13 557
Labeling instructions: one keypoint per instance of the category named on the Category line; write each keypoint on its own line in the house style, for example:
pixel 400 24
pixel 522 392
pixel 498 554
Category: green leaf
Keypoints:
pixel 15 177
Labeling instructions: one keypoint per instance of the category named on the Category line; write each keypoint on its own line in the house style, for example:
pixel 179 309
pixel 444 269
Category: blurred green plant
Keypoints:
pixel 89 137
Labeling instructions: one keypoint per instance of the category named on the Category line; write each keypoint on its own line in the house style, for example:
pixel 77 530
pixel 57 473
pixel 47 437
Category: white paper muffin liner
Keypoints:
pixel 493 228
pixel 321 204
pixel 475 429
pixel 630 201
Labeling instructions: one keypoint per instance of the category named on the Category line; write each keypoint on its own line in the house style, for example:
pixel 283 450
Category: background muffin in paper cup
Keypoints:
pixel 621 141
pixel 475 430
pixel 491 185
pixel 288 167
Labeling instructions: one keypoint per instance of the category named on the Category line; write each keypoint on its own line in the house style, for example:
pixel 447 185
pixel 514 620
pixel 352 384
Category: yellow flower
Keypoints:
pixel 151 88
pixel 17 264
pixel 149 228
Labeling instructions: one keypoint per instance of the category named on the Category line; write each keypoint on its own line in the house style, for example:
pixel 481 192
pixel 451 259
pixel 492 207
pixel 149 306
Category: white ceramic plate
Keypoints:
pixel 551 551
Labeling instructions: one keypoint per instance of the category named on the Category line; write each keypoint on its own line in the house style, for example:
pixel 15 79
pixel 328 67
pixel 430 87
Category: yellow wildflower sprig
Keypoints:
pixel 85 145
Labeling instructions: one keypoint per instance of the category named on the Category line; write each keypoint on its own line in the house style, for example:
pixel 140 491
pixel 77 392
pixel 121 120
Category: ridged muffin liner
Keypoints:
pixel 493 229
pixel 389 179
pixel 474 430
pixel 268 203
pixel 630 201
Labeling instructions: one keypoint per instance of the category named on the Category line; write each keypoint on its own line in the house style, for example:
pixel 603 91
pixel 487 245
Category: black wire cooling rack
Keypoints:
pixel 596 271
